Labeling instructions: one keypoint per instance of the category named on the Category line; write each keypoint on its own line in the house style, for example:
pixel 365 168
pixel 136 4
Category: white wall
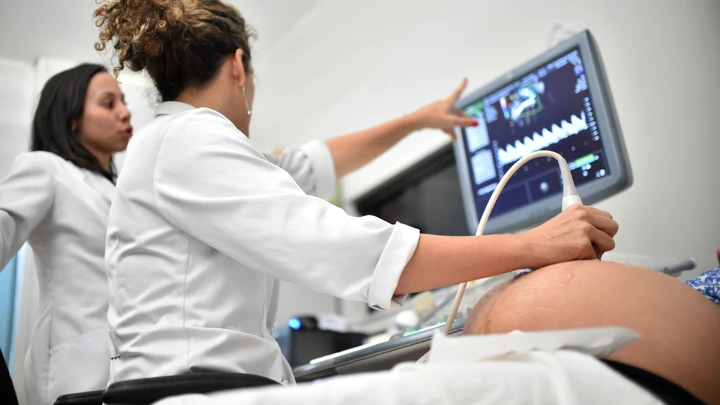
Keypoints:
pixel 16 85
pixel 349 65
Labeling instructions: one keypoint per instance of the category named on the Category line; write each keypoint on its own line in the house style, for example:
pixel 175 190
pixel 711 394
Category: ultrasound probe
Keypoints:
pixel 570 197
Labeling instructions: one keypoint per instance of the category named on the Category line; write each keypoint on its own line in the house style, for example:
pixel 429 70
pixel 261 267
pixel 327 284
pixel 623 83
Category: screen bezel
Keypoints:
pixel 620 176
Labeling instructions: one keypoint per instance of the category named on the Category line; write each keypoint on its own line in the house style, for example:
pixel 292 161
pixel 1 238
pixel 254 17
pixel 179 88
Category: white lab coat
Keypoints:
pixel 201 228
pixel 61 210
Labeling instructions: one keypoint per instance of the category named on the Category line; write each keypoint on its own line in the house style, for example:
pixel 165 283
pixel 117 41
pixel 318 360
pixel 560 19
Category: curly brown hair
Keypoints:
pixel 181 43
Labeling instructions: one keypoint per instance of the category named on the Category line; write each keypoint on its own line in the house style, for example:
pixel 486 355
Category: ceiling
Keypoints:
pixel 64 28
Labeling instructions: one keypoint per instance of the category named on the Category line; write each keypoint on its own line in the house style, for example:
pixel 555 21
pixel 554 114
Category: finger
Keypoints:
pixel 592 210
pixel 601 241
pixel 456 94
pixel 451 132
pixel 588 250
pixel 604 224
pixel 464 122
pixel 458 112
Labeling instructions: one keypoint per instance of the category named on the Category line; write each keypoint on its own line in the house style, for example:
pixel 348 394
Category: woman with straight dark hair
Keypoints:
pixel 57 198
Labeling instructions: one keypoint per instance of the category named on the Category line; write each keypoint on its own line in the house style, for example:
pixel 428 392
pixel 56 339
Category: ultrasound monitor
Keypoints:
pixel 558 101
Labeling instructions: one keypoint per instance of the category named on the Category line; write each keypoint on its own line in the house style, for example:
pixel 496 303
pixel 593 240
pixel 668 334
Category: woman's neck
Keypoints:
pixel 105 162
pixel 102 157
pixel 218 96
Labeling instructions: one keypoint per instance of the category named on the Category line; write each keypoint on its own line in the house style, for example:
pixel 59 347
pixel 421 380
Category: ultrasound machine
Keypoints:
pixel 558 101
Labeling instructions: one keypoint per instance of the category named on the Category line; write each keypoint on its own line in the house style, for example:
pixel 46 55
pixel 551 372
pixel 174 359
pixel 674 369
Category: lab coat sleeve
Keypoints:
pixel 26 196
pixel 267 223
pixel 311 166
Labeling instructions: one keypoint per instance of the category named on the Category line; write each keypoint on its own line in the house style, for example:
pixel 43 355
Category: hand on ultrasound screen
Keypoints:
pixel 443 115
pixel 578 233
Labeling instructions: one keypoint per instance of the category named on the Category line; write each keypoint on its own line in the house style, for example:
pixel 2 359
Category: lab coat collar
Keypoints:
pixel 171 108
pixel 100 184
pixel 177 107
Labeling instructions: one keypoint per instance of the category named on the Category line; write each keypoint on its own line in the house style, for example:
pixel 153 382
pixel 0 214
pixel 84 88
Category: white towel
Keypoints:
pixel 536 373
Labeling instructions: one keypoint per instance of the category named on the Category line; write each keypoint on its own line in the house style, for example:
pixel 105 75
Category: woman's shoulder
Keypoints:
pixel 33 173
pixel 202 128
pixel 43 164
pixel 206 120
pixel 40 161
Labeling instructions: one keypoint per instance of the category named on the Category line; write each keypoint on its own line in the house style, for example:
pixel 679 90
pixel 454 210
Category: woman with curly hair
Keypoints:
pixel 203 225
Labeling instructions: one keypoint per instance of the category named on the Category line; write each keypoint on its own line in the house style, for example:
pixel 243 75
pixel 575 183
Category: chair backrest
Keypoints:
pixel 81 398
pixel 7 390
pixel 146 391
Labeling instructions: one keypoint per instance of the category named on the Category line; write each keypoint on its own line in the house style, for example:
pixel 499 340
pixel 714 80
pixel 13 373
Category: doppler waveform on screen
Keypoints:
pixel 555 134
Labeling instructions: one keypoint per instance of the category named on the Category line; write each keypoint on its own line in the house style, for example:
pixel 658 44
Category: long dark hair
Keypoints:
pixel 61 101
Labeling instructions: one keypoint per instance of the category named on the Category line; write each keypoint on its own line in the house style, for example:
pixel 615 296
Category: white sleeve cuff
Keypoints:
pixel 323 168
pixel 397 253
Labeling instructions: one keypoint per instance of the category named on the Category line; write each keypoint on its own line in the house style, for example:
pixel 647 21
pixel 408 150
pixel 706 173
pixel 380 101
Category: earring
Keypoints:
pixel 249 112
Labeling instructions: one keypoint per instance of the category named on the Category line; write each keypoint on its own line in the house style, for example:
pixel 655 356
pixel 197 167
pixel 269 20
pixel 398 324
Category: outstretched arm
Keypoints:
pixel 351 152
pixel 26 196
pixel 579 233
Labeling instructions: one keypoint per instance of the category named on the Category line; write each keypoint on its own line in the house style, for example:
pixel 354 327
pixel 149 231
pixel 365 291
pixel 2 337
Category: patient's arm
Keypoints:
pixel 680 327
